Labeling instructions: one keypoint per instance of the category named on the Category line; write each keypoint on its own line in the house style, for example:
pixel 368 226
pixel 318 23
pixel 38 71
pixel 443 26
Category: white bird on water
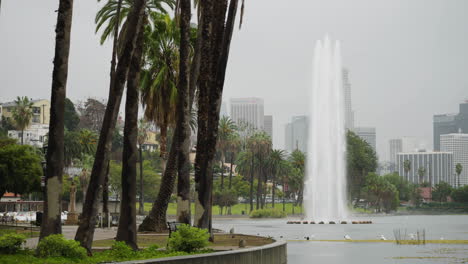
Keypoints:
pixel 412 236
pixel 382 237
pixel 347 237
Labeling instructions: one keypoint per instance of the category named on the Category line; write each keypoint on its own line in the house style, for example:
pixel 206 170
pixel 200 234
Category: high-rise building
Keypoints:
pixel 367 134
pixel 396 146
pixel 349 114
pixel 450 123
pixel 458 145
pixel 405 144
pixel 436 167
pixel 248 111
pixel 268 125
pixel 296 134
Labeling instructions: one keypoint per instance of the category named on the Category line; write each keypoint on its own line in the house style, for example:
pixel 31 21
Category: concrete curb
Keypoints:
pixel 275 253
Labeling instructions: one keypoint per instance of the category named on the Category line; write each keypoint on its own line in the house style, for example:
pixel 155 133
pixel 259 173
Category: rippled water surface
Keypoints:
pixel 446 227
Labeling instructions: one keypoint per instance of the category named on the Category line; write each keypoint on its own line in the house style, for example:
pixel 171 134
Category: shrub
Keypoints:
pixel 188 239
pixel 11 243
pixel 58 246
pixel 121 250
pixel 268 213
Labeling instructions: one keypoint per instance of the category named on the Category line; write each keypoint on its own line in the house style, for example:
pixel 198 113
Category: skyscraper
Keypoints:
pixel 458 145
pixel 368 134
pixel 296 134
pixel 395 148
pixel 268 125
pixel 450 123
pixel 248 111
pixel 349 114
pixel 405 144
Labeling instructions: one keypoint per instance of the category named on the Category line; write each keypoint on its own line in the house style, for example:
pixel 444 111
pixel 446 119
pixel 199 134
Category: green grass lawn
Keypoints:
pixel 235 210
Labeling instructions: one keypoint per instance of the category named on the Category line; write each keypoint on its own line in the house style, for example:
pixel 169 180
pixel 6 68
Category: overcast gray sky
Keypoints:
pixel 408 59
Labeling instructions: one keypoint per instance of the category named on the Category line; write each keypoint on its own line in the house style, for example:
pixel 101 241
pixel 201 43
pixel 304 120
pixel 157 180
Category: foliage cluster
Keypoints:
pixel 267 213
pixel 188 239
pixel 11 243
pixel 58 246
pixel 460 195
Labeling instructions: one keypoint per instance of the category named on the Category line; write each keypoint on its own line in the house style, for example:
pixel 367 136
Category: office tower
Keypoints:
pixel 437 167
pixel 268 125
pixel 458 145
pixel 450 123
pixel 247 112
pixel 296 134
pixel 368 134
pixel 349 114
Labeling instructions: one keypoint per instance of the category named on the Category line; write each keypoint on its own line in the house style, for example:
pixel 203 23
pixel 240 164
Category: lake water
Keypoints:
pixel 447 227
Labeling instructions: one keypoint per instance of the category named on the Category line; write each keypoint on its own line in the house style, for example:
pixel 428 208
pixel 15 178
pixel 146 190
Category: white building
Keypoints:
pixel 297 134
pixel 458 145
pixel 248 111
pixel 34 135
pixel 437 167
pixel 268 125
pixel 367 134
pixel 405 144
pixel 349 114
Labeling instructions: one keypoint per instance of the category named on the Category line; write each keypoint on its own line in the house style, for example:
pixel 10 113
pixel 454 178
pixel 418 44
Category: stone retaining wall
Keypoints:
pixel 275 253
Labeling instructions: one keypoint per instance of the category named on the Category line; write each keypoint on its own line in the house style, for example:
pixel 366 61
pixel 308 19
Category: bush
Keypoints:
pixel 11 243
pixel 268 213
pixel 188 239
pixel 121 250
pixel 58 246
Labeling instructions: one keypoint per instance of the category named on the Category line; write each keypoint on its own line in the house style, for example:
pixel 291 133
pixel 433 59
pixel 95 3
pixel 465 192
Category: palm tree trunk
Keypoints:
pixel 230 171
pixel 222 173
pixel 259 190
pixel 216 34
pixel 22 136
pixel 141 210
pixel 273 191
pixel 105 196
pixel 85 232
pixel 183 118
pixel 51 220
pixel 251 182
pixel 156 219
pixel 127 230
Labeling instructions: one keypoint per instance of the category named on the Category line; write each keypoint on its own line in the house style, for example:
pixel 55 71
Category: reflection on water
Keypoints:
pixel 448 227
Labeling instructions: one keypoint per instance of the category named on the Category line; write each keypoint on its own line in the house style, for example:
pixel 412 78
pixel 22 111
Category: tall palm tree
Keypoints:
pixel 458 170
pixel 51 220
pixel 275 163
pixel 160 75
pixel 260 145
pixel 296 179
pixel 85 232
pixel 407 168
pixel 226 128
pixel 233 147
pixel 22 114
pixel 421 173
pixel 143 128
pixel 245 166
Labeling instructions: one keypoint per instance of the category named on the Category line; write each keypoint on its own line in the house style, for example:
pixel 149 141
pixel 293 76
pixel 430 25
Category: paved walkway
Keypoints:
pixel 70 231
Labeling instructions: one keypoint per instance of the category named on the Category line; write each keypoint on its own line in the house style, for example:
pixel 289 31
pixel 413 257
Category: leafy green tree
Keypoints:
pixel 441 191
pixel 415 195
pixel 20 169
pixel 460 195
pixel 297 173
pixel 458 171
pixel 71 118
pixel 401 184
pixel 407 167
pixel 361 160
pixel 22 114
pixel 381 193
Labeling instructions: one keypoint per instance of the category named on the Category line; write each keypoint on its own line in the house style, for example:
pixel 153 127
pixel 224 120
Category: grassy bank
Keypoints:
pixel 236 210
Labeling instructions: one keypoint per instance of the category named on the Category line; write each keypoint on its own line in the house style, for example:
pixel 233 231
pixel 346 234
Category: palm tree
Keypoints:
pixel 407 168
pixel 245 166
pixel 127 229
pixel 85 232
pixel 22 114
pixel 160 75
pixel 275 164
pixel 51 220
pixel 233 147
pixel 296 180
pixel 226 128
pixel 260 145
pixel 143 128
pixel 458 170
pixel 421 173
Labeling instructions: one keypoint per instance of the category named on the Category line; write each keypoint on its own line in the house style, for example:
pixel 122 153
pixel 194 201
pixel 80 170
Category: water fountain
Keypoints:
pixel 325 183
